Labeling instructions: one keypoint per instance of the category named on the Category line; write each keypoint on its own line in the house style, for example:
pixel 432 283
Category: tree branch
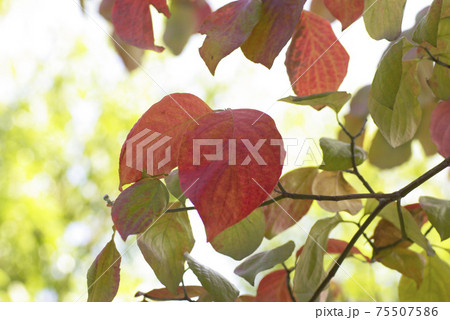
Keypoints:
pixel 382 203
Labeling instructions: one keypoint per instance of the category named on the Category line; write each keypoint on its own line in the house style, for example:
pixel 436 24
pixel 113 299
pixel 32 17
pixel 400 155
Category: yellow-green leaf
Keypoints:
pixel 334 99
pixel 103 276
pixel 435 285
pixel 393 102
pixel 243 238
pixel 309 270
pixel 163 246
pixel 383 18
pixel 427 28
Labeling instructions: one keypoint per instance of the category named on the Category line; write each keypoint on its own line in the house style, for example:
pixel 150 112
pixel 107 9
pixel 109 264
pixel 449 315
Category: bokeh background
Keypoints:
pixel 66 105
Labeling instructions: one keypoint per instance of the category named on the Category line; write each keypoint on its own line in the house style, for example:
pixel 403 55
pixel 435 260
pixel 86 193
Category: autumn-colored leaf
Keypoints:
pixel 246 298
pixel 332 183
pixel 383 18
pixel 163 294
pixel 273 288
pixel 243 162
pixel 440 82
pixel 220 289
pixel 273 31
pixel 316 62
pixel 318 7
pixel 393 102
pixel 103 276
pixel 131 56
pixel 227 29
pixel 337 246
pixel 138 205
pixel 265 260
pixel 346 11
pixel 440 127
pixel 133 22
pixel 105 9
pixel 335 100
pixel 186 18
pixel 405 261
pixel 309 271
pixel 386 235
pixel 154 142
pixel 163 246
pixel 284 214
pixel 243 238
pixel 435 285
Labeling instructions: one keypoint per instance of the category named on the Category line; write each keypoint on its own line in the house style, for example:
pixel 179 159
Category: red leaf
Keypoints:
pixel 170 117
pixel 273 288
pixel 440 128
pixel 164 293
pixel 133 22
pixel 226 29
pixel 316 62
pixel 337 246
pixel 226 190
pixel 299 180
pixel 273 31
pixel 346 11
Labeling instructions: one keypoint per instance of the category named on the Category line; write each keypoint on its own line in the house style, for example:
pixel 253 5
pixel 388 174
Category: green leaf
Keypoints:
pixel 435 285
pixel 173 185
pixel 427 28
pixel 334 99
pixel 138 205
pixel 438 212
pixel 309 271
pixel 217 286
pixel 440 82
pixel 243 238
pixel 264 261
pixel 163 246
pixel 405 261
pixel 393 102
pixel 383 18
pixel 103 276
pixel 380 148
pixel 299 180
pixel 411 228
pixel 337 155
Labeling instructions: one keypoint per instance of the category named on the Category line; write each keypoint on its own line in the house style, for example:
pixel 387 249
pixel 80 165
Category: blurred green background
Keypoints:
pixel 66 105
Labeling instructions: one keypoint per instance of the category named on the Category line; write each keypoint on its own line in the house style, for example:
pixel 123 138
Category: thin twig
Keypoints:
pixel 433 58
pixel 352 149
pixel 288 281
